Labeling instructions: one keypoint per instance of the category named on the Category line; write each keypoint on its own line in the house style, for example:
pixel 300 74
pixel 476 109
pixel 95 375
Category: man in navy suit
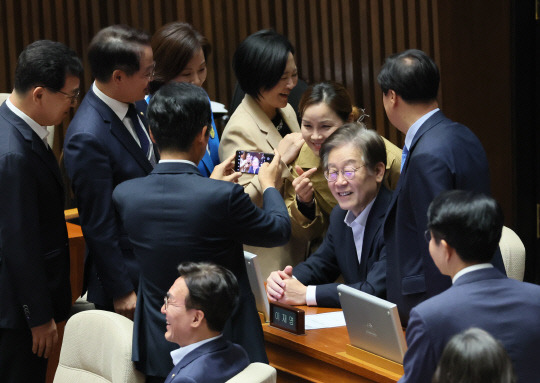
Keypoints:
pixel 354 159
pixel 438 155
pixel 35 292
pixel 107 143
pixel 175 214
pixel 196 309
pixel 464 231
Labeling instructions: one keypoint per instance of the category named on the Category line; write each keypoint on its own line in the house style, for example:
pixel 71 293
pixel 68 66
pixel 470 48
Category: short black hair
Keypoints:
pixel 260 60
pixel 177 113
pixel 46 63
pixel 468 221
pixel 367 141
pixel 474 356
pixel 412 74
pixel 213 289
pixel 116 47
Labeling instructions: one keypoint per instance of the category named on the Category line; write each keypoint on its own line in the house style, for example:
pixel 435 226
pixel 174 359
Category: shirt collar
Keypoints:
pixel 118 107
pixel 469 269
pixel 178 161
pixel 41 131
pixel 179 354
pixel 351 220
pixel 414 127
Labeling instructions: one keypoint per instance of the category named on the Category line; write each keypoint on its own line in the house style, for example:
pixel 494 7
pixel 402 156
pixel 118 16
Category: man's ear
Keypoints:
pixel 203 137
pixel 37 94
pixel 118 76
pixel 198 319
pixel 151 135
pixel 379 172
pixel 449 251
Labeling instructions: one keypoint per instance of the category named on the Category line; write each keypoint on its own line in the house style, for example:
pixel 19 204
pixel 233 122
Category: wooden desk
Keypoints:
pixel 319 356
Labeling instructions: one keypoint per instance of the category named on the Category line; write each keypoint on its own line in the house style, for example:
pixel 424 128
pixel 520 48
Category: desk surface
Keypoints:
pixel 319 356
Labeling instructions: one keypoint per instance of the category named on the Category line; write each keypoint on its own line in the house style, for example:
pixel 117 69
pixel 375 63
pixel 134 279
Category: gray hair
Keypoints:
pixel 367 141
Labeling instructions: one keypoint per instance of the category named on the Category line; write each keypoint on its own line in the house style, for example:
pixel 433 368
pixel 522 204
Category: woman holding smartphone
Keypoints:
pixel 323 108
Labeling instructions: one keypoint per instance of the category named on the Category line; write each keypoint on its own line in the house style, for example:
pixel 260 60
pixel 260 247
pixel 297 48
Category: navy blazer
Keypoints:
pixel 100 153
pixel 444 155
pixel 176 215
pixel 508 309
pixel 34 252
pixel 337 255
pixel 214 362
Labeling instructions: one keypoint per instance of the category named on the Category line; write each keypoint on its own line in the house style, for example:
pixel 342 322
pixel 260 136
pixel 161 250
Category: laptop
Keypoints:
pixel 372 323
pixel 257 284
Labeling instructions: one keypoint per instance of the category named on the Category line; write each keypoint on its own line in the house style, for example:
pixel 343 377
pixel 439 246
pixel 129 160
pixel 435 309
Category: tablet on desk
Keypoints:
pixel 372 323
pixel 257 284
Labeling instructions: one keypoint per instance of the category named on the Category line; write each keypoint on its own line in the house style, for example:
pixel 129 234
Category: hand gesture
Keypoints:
pixel 270 173
pixel 290 146
pixel 276 283
pixel 303 186
pixel 44 338
pixel 126 305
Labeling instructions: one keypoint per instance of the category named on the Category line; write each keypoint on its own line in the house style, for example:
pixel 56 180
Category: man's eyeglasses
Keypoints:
pixel 73 98
pixel 166 302
pixel 348 173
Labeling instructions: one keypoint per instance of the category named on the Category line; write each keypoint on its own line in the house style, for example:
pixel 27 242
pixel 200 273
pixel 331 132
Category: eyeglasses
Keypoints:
pixel 427 235
pixel 166 302
pixel 152 73
pixel 73 98
pixel 348 173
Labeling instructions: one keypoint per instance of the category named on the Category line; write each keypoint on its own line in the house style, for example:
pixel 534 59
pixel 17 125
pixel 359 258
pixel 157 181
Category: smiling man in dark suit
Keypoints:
pixel 196 309
pixel 175 215
pixel 354 159
pixel 107 143
pixel 438 155
pixel 35 291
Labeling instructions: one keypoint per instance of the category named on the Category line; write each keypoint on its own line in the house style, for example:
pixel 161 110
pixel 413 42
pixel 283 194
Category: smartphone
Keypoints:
pixel 250 162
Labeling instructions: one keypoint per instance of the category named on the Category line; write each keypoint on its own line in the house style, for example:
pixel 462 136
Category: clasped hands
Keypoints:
pixel 282 287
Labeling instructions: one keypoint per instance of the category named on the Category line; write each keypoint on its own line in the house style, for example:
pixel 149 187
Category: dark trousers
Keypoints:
pixel 17 361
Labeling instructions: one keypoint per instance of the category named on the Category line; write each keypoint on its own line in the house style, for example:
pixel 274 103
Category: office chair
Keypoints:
pixel 513 254
pixel 255 373
pixel 97 348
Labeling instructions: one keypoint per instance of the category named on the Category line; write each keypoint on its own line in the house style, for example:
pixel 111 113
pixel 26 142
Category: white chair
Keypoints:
pixel 50 137
pixel 97 349
pixel 513 254
pixel 255 373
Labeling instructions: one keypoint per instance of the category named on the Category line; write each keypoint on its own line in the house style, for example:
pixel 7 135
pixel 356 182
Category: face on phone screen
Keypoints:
pixel 250 162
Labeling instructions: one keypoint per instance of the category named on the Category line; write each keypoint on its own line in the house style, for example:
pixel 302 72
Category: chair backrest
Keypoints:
pixel 513 254
pixel 97 348
pixel 255 373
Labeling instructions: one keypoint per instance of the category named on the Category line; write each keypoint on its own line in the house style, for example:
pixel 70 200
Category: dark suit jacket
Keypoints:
pixel 337 255
pixel 213 362
pixel 506 308
pixel 34 253
pixel 444 155
pixel 100 153
pixel 176 215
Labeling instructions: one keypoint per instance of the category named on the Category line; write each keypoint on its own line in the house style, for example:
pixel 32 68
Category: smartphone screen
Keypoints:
pixel 250 162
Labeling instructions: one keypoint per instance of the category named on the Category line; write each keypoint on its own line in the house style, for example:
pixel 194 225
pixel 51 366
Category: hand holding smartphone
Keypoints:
pixel 250 162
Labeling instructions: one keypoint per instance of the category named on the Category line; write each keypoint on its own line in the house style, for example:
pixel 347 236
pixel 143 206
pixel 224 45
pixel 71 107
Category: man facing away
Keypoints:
pixel 107 143
pixel 196 309
pixel 354 159
pixel 175 215
pixel 464 229
pixel 35 292
pixel 438 155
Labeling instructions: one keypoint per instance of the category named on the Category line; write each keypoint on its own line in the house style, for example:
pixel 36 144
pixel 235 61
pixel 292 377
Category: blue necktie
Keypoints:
pixel 404 156
pixel 143 139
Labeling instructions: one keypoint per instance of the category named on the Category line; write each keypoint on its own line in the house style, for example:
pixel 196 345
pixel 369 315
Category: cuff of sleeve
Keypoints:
pixel 268 187
pixel 311 297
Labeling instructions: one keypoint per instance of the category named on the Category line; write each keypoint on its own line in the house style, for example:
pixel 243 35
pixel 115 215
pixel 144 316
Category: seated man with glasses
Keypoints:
pixel 196 309
pixel 354 159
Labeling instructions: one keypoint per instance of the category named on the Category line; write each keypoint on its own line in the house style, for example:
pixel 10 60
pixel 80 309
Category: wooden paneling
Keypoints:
pixel 341 40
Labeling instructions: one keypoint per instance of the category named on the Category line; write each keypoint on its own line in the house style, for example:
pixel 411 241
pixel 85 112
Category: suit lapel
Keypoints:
pixel 37 145
pixel 376 216
pixel 119 130
pixel 206 348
